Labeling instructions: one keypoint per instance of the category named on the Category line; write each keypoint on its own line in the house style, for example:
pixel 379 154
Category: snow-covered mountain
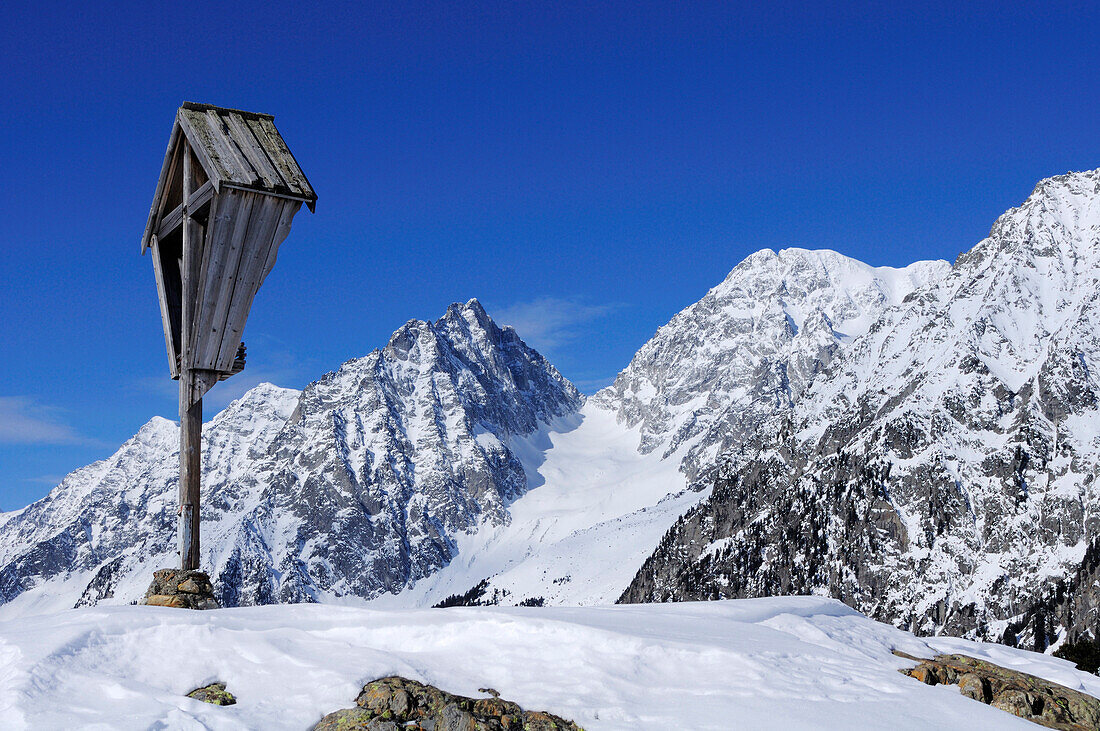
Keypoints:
pixel 921 443
pixel 942 474
pixel 405 476
pixel 612 480
pixel 751 347
pixel 355 486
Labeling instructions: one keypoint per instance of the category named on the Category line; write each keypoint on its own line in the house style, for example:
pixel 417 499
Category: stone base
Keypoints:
pixel 181 589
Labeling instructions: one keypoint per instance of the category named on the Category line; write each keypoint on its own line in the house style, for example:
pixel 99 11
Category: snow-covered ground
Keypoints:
pixel 793 662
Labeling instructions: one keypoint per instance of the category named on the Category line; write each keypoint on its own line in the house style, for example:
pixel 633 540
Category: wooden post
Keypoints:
pixel 190 410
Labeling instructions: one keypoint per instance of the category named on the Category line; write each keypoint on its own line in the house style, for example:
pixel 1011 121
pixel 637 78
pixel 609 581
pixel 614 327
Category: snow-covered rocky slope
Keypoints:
pixel 921 443
pixel 942 474
pixel 355 486
pixel 751 347
pixel 406 476
pixel 613 479
pixel 781 663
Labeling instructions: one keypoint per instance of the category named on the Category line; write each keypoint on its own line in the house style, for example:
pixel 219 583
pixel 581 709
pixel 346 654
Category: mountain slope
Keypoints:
pixel 613 480
pixel 355 486
pixel 752 346
pixel 942 473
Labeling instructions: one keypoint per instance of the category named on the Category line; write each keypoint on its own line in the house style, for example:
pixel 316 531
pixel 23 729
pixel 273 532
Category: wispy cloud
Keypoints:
pixel 45 479
pixel 25 421
pixel 547 323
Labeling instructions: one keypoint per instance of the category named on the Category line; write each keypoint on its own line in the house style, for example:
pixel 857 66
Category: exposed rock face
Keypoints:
pixel 395 703
pixel 1021 694
pixel 942 472
pixel 355 486
pixel 181 589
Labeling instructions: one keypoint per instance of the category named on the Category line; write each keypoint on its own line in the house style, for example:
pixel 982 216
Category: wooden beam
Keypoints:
pixel 161 182
pixel 163 194
pixel 200 198
pixel 254 189
pixel 190 408
pixel 165 316
pixel 173 219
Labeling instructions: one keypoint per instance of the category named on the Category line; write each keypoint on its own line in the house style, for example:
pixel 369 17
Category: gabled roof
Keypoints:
pixel 237 149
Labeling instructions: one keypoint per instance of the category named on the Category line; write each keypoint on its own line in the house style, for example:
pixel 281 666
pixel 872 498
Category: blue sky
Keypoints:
pixel 585 169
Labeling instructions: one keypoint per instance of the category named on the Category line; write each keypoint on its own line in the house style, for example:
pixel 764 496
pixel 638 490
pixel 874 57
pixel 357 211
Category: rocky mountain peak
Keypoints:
pixel 356 485
pixel 754 343
pixel 940 472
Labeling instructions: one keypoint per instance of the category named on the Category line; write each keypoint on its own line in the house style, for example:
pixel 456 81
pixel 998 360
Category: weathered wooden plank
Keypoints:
pixel 196 106
pixel 154 209
pixel 196 128
pixel 287 172
pixel 286 218
pixel 166 194
pixel 237 209
pixel 165 316
pixel 213 264
pixel 261 231
pixel 252 150
pixel 270 194
pixel 172 220
pixel 239 168
pixel 200 197
pixel 227 237
pixel 281 155
pixel 190 473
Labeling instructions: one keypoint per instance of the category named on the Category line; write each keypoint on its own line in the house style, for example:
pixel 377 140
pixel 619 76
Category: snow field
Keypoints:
pixel 782 663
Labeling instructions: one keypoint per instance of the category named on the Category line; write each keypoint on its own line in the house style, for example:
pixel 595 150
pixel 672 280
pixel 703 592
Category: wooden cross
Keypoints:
pixel 228 191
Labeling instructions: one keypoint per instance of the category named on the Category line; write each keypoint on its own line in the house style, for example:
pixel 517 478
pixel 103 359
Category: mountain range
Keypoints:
pixel 921 443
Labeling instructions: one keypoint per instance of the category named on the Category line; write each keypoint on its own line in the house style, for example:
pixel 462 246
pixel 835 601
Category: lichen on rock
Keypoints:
pixel 392 703
pixel 215 694
pixel 1040 701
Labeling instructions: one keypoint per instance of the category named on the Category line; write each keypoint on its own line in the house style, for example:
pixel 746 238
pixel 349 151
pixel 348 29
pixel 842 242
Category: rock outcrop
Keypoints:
pixel 215 694
pixel 393 703
pixel 1035 699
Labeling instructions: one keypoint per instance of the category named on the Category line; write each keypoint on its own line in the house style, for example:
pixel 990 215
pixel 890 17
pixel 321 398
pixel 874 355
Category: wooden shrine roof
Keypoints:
pixel 236 149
